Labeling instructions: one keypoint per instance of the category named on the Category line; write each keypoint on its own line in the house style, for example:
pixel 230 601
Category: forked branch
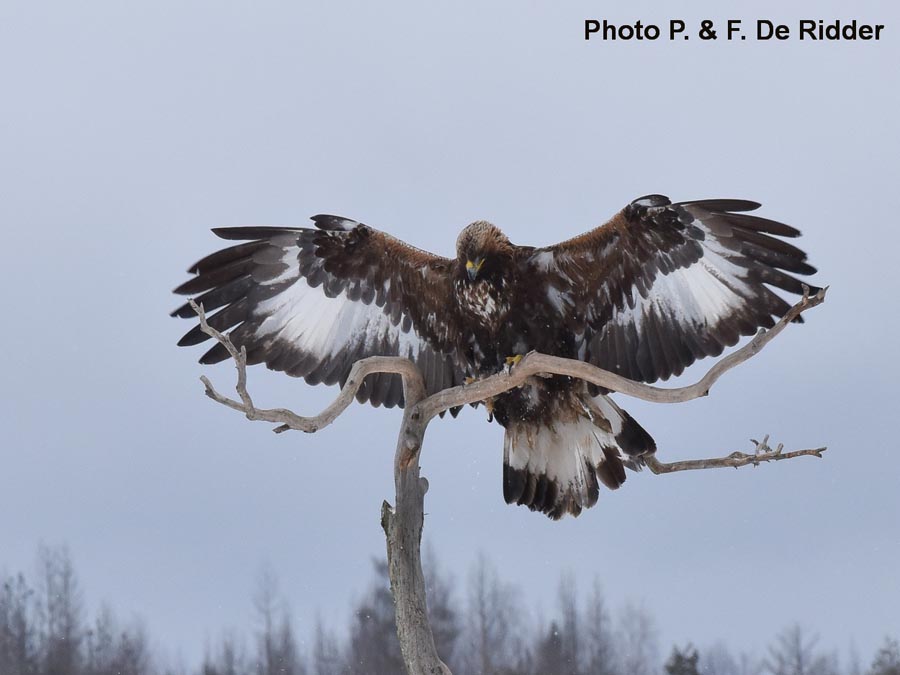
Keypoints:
pixel 286 419
pixel 403 524
pixel 533 364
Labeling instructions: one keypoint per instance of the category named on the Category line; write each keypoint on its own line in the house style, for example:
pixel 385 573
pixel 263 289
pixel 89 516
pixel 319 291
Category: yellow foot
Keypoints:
pixel 513 360
pixel 470 380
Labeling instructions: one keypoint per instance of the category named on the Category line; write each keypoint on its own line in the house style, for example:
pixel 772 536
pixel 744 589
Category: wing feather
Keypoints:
pixel 661 285
pixel 312 302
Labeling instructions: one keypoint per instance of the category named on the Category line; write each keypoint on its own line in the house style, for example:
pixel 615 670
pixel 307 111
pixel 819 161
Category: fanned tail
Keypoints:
pixel 556 467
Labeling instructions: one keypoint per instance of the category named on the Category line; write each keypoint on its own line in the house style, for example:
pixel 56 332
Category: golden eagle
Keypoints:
pixel 657 287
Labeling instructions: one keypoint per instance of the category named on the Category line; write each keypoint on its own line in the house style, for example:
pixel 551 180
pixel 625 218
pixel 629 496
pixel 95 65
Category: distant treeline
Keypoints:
pixel 44 630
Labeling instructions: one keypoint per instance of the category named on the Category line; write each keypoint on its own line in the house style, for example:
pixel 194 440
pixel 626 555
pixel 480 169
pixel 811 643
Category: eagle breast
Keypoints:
pixel 484 301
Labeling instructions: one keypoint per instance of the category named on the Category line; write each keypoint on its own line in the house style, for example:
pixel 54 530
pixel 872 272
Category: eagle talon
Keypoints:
pixel 512 361
pixel 470 380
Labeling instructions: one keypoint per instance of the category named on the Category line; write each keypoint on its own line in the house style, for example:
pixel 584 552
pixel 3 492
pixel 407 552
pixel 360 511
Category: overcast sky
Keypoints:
pixel 130 129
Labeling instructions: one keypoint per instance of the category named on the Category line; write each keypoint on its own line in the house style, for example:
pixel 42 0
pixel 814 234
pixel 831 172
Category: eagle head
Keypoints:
pixel 482 251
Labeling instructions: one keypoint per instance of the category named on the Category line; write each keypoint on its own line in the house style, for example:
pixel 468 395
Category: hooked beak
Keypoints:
pixel 472 268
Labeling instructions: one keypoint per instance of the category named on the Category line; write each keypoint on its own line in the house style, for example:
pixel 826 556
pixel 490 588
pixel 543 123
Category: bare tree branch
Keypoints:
pixel 533 364
pixel 737 459
pixel 286 419
pixel 403 523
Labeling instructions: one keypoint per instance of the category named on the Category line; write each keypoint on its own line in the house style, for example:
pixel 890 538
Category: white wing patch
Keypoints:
pixel 698 295
pixel 318 325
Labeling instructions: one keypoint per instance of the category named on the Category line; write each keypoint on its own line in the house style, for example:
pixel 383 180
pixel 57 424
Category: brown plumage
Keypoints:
pixel 657 287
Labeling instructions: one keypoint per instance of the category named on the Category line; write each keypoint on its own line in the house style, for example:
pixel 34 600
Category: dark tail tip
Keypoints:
pixel 611 471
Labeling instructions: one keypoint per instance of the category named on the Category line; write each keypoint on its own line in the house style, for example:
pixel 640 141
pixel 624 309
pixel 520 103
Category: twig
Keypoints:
pixel 737 459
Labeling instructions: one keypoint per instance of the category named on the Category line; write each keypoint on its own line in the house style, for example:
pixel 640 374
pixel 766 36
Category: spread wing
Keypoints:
pixel 312 302
pixel 662 285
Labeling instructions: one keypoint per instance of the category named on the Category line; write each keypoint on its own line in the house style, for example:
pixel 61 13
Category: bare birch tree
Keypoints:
pixel 60 612
pixel 570 617
pixel 277 652
pixel 637 641
pixel 718 660
pixel 599 638
pixel 326 656
pixel 494 621
pixel 794 653
pixel 228 659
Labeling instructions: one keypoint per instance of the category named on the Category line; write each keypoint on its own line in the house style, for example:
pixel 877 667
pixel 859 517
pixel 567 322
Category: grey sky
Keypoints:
pixel 128 130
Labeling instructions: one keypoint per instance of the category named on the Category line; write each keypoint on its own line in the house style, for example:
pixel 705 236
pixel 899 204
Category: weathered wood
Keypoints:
pixel 403 534
pixel 737 459
pixel 532 365
pixel 403 523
